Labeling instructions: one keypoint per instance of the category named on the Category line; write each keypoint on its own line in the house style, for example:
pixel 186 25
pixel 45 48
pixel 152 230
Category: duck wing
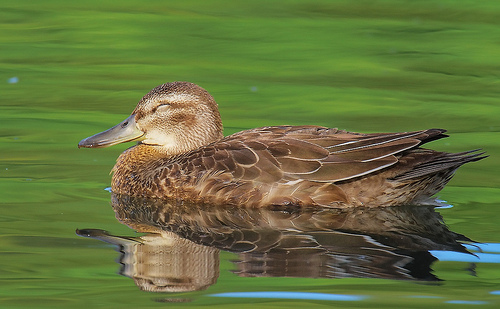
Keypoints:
pixel 297 153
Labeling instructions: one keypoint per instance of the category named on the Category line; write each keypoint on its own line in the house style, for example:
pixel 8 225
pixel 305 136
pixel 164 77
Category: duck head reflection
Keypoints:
pixel 180 251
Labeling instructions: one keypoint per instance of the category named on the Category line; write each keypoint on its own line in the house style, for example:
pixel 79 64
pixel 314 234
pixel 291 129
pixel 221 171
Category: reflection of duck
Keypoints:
pixel 178 254
pixel 163 262
pixel 183 154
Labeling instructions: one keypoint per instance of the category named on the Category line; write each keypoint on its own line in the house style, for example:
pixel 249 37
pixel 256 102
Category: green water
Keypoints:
pixel 71 69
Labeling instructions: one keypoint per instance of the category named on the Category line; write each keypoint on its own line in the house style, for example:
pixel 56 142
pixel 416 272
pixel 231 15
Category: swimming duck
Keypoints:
pixel 182 154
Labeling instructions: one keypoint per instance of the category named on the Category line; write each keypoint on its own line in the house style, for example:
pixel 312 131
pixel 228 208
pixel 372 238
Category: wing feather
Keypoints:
pixel 282 154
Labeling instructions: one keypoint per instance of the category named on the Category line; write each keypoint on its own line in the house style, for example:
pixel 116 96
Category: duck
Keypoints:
pixel 182 154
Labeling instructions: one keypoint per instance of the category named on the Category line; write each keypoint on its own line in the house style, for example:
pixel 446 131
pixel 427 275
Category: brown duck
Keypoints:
pixel 182 154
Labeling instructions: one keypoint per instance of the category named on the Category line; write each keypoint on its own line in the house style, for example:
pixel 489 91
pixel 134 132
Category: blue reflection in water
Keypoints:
pixel 292 295
pixel 495 292
pixel 486 247
pixel 451 256
pixel 467 302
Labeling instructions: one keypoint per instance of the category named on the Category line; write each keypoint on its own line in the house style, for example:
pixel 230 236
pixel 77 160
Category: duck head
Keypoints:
pixel 174 118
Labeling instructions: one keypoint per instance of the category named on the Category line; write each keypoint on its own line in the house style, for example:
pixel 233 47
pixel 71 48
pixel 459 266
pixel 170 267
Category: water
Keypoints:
pixel 70 70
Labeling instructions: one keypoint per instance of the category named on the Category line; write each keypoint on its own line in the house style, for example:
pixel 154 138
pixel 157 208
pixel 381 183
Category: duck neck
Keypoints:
pixel 138 167
pixel 135 168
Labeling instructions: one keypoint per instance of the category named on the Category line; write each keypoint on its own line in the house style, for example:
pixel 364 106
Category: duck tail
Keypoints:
pixel 442 162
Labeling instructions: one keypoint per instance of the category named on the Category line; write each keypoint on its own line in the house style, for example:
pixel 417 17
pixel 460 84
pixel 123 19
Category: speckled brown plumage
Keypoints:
pixel 183 155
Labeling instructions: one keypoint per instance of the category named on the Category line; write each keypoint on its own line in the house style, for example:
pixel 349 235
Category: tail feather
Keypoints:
pixel 445 161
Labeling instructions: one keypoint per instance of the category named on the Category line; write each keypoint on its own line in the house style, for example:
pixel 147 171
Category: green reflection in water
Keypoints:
pixel 363 66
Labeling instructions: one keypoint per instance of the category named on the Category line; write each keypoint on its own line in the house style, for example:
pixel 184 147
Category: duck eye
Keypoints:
pixel 162 105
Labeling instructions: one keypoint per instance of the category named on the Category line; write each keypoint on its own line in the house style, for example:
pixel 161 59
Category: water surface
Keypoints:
pixel 70 70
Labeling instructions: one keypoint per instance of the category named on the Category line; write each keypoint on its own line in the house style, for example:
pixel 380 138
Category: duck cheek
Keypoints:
pixel 184 120
pixel 163 139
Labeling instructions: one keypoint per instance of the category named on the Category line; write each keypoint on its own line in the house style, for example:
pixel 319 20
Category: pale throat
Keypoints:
pixel 174 144
pixel 169 143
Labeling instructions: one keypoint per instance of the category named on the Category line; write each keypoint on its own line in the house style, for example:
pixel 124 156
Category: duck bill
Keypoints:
pixel 125 131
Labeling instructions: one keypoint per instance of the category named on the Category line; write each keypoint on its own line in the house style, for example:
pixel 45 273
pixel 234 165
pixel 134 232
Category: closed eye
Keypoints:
pixel 161 106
